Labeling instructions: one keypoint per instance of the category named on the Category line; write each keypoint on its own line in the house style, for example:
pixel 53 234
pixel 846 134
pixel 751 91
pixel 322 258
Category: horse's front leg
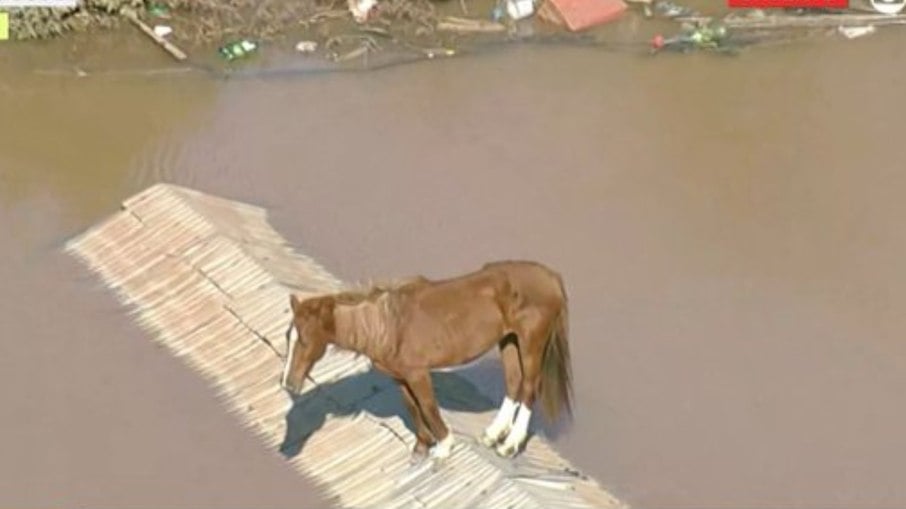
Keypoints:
pixel 423 390
pixel 423 437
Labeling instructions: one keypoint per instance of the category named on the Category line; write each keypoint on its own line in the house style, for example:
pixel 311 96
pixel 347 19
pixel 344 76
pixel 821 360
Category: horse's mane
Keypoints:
pixel 371 291
pixel 380 307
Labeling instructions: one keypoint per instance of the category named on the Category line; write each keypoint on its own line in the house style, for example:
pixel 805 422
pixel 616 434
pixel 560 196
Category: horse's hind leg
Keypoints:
pixel 423 437
pixel 531 350
pixel 512 371
pixel 423 390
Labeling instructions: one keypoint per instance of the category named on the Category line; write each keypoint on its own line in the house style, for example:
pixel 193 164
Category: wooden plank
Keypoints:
pixel 171 48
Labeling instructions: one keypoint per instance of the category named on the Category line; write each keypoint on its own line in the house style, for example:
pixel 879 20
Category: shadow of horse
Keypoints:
pixel 377 394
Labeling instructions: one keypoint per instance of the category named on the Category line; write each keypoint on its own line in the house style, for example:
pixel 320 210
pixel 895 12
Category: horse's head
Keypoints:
pixel 311 328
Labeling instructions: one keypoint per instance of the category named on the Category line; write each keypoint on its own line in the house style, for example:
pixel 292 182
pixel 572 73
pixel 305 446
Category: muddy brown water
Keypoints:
pixel 728 228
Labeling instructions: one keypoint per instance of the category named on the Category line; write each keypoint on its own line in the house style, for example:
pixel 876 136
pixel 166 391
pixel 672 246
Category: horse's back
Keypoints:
pixel 530 278
pixel 507 283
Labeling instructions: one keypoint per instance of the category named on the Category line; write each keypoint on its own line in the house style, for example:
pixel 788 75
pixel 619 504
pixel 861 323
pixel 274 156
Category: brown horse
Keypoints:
pixel 410 328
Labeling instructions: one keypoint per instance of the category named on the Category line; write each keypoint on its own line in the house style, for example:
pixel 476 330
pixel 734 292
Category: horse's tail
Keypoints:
pixel 556 371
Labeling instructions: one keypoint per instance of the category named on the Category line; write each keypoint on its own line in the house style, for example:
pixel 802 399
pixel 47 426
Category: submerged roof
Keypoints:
pixel 209 279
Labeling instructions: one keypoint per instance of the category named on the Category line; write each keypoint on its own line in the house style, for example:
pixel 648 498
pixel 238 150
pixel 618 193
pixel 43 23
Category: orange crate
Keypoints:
pixel 580 14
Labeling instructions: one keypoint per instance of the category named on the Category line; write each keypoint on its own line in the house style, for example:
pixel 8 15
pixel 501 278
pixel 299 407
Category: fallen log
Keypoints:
pixel 171 48
pixel 469 25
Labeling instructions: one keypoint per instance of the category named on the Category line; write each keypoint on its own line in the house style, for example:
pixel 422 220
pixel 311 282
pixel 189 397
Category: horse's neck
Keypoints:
pixel 363 327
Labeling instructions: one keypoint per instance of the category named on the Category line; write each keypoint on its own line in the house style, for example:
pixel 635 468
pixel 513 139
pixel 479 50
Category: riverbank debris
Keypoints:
pixel 158 10
pixel 162 30
pixel 578 15
pixel 669 9
pixel 361 9
pixel 855 32
pixel 439 52
pixel 520 9
pixel 709 37
pixel 469 25
pixel 307 46
pixel 237 49
pixel 418 24
pixel 197 22
pixel 168 46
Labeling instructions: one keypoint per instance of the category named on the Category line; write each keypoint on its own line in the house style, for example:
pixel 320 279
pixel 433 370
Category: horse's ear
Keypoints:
pixel 293 302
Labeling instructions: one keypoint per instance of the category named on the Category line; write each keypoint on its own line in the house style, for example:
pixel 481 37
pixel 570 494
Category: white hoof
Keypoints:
pixel 514 440
pixel 491 437
pixel 502 424
pixel 444 448
pixel 508 449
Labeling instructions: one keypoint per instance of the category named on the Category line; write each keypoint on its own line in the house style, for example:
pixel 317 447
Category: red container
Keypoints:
pixel 581 14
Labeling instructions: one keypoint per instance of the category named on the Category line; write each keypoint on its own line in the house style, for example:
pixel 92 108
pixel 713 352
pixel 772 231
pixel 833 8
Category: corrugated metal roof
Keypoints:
pixel 209 278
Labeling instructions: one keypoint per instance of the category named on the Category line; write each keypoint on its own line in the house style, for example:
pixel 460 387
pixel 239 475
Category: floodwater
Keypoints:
pixel 729 230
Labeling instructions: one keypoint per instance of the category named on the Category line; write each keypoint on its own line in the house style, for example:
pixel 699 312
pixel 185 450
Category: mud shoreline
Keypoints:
pixel 321 36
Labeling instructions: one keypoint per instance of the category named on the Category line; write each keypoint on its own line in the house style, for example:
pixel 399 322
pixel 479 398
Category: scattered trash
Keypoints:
pixel 439 52
pixel 670 9
pixel 426 29
pixel 306 46
pixel 162 30
pixel 854 32
pixel 581 14
pixel 513 9
pixel 520 9
pixel 158 10
pixel 360 9
pixel 710 37
pixel 238 49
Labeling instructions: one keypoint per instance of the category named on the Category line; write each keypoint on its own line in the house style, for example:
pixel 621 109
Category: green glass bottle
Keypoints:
pixel 238 49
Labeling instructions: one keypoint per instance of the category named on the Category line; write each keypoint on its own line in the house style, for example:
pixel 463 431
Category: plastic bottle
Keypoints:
pixel 238 49
pixel 158 10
